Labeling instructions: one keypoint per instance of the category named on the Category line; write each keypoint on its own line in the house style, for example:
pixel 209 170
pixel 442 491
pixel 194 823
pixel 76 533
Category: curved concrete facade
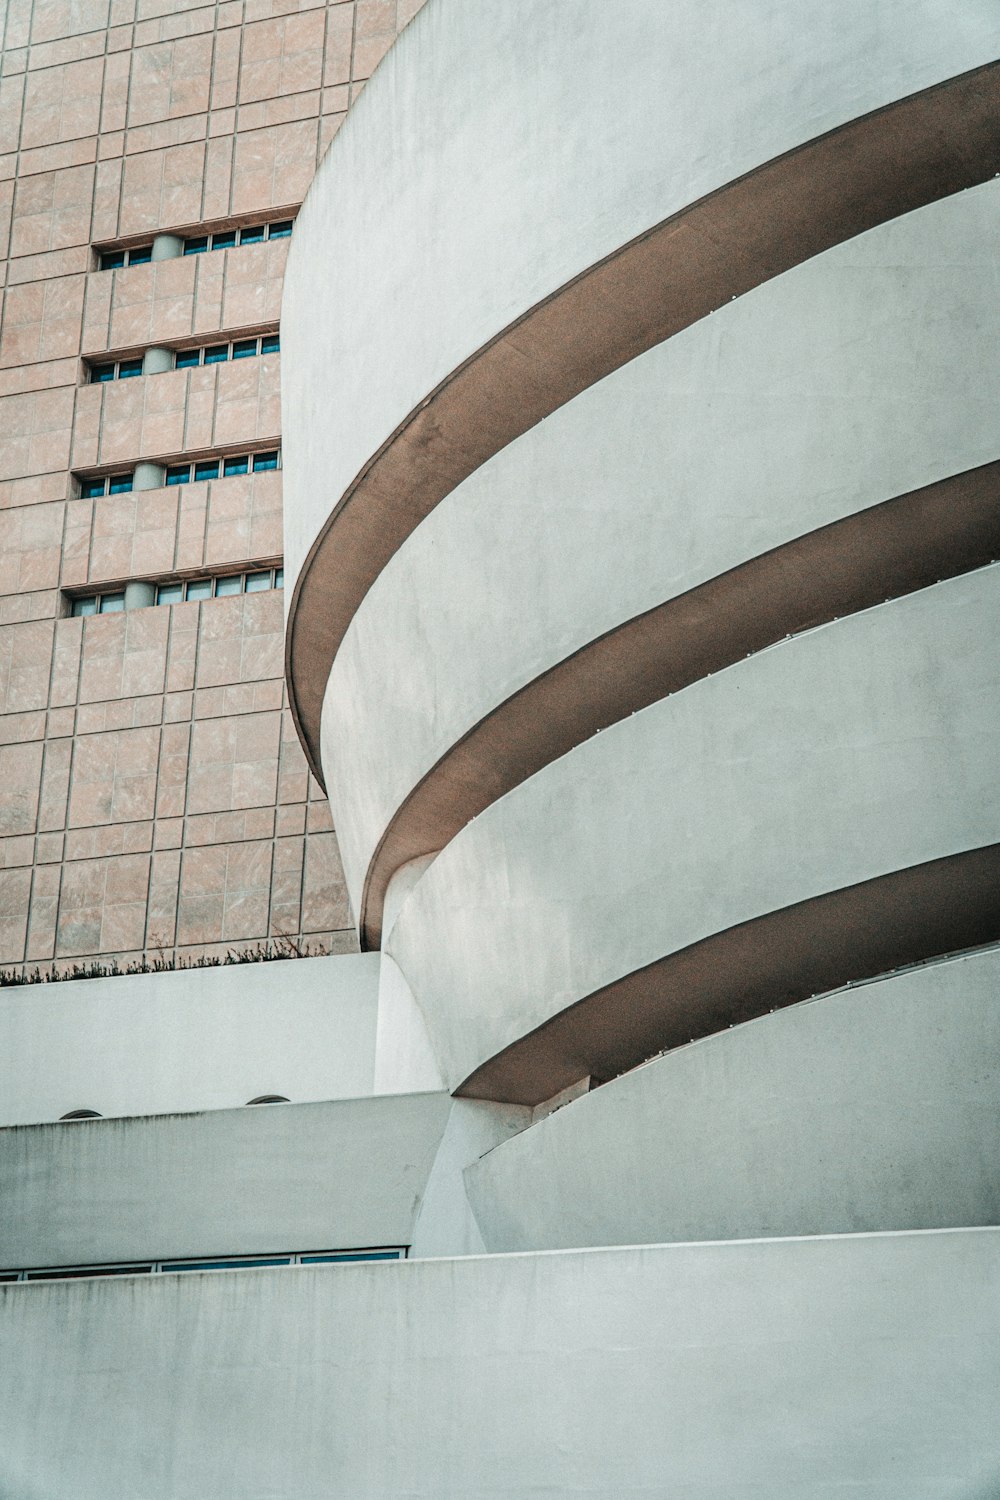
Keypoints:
pixel 873 1108
pixel 451 332
pixel 862 748
pixel 694 470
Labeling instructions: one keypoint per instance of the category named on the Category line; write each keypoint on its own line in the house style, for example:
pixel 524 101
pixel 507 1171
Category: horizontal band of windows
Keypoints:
pixel 198 244
pixel 185 591
pixel 189 359
pixel 216 1263
pixel 225 467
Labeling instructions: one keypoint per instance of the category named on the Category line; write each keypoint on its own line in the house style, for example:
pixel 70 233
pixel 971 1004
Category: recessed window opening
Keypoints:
pixel 210 1263
pixel 107 484
pixel 99 604
pixel 224 468
pixel 188 591
pixel 269 1099
pixel 220 354
pixel 113 260
pixel 82 1114
pixel 248 234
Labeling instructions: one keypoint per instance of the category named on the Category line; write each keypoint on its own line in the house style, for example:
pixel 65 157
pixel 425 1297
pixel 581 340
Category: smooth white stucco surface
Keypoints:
pixel 850 751
pixel 500 107
pixel 769 1370
pixel 873 1108
pixel 345 1174
pixel 193 1039
pixel 865 373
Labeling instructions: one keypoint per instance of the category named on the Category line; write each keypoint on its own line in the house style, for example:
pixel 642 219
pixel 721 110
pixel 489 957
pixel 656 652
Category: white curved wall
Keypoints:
pixel 874 1108
pixel 350 1173
pixel 726 1372
pixel 853 750
pixel 857 376
pixel 374 320
pixel 193 1039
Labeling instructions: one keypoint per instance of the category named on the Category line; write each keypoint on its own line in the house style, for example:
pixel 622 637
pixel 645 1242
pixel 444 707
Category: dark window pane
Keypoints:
pixel 347 1256
pixel 140 256
pixel 270 344
pixel 186 359
pixel 199 588
pixel 209 470
pixel 120 484
pixel 265 461
pixel 281 231
pixel 224 241
pixel 170 593
pixel 224 1265
pixel 101 374
pixel 111 604
pixel 86 606
pixel 216 354
pixel 244 348
pixel 128 368
pixel 87 1271
pixel 91 488
pixel 252 236
pixel 235 466
pixel 8 1275
pixel 197 245
pixel 179 474
pixel 110 259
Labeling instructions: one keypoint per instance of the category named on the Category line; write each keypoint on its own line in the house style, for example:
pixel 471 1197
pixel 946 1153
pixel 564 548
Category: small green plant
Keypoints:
pixel 275 948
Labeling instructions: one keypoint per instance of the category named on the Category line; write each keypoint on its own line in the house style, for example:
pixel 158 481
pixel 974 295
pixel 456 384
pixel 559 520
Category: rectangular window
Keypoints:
pixel 216 354
pixel 86 1271
pixel 179 474
pixel 196 246
pixel 208 470
pixel 224 1265
pixel 112 604
pixel 112 259
pixel 279 578
pixel 235 466
pixel 120 484
pixel 244 348
pixel 252 235
pixel 128 368
pixel 140 256
pixel 257 582
pixel 86 606
pixel 346 1256
pixel 199 588
pixel 91 488
pixel 224 241
pixel 101 374
pixel 225 587
pixel 270 344
pixel 280 231
pixel 170 593
pixel 265 461
pixel 186 359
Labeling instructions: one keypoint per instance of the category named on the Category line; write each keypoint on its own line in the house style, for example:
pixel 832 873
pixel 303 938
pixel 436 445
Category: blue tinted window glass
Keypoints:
pixel 216 354
pixel 209 470
pixel 197 245
pixel 347 1256
pixel 252 236
pixel 111 259
pixel 141 256
pixel 270 344
pixel 244 348
pixel 186 359
pixel 235 466
pixel 120 484
pixel 179 474
pixel 281 231
pixel 91 488
pixel 265 461
pixel 224 241
pixel 279 578
pixel 257 582
pixel 101 374
pixel 199 588
pixel 224 1265
pixel 128 368
pixel 170 593
pixel 111 604
pixel 224 587
pixel 86 606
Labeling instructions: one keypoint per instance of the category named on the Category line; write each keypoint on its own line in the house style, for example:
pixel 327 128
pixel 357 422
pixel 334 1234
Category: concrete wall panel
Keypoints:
pixel 858 749
pixel 778 1368
pixel 874 1108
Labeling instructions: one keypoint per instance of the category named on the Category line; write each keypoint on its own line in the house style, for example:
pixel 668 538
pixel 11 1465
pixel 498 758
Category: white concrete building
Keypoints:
pixel 641 480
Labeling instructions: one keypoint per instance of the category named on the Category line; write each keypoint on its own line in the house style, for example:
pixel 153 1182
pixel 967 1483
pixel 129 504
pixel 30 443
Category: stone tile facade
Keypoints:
pixel 153 796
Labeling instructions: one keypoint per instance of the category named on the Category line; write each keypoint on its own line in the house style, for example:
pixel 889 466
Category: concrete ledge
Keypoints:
pixel 874 1108
pixel 244 1181
pixel 785 1369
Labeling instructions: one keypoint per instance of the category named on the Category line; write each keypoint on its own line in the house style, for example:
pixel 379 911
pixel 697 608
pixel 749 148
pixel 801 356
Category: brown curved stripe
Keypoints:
pixel 873 169
pixel 857 933
pixel 889 550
